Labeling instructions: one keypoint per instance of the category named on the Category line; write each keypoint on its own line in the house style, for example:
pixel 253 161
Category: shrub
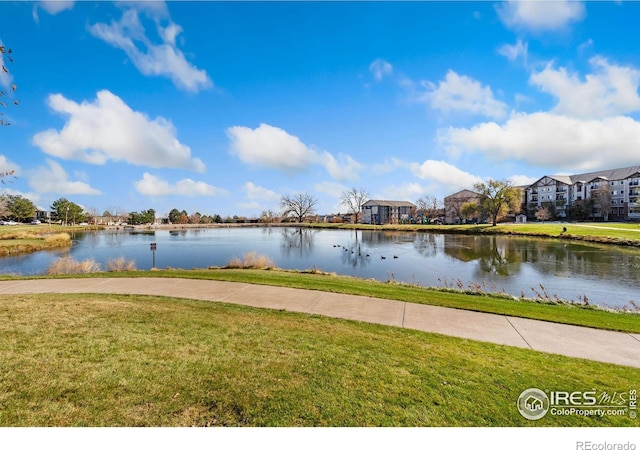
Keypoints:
pixel 121 265
pixel 251 260
pixel 67 265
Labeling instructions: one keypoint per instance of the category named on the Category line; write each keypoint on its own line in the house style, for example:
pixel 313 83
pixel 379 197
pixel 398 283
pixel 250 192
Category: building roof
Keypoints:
pixel 609 174
pixel 465 193
pixel 393 203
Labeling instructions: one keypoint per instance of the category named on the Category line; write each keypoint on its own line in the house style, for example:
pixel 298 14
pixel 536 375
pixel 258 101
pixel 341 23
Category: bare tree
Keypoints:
pixel 353 199
pixel 602 199
pixel 268 216
pixel 429 206
pixel 298 206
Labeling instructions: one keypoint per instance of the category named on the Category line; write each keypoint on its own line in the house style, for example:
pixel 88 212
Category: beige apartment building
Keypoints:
pixel 569 192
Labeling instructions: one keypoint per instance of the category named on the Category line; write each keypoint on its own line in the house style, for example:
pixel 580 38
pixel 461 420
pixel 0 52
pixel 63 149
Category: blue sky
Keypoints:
pixel 223 107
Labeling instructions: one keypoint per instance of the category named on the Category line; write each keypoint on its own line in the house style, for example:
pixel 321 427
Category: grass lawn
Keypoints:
pixel 114 360
pixel 551 312
pixel 608 233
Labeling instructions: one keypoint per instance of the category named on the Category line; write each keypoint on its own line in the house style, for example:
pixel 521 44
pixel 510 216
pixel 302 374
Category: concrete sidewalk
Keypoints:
pixel 598 345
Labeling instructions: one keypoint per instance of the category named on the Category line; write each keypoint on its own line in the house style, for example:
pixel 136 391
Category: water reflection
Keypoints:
pixel 515 264
pixel 298 240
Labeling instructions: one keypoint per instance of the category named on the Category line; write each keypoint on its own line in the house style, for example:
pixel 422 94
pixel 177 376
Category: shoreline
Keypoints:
pixel 505 229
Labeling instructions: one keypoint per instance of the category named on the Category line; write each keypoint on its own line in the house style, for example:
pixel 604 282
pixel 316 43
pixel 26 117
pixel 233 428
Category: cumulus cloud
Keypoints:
pixel 255 192
pixel 459 93
pixel 514 52
pixel 343 168
pixel 610 90
pixel 108 129
pixel 154 186
pixel 274 148
pixel 162 58
pixel 52 178
pixel 331 188
pixel 53 7
pixel 540 15
pixel 406 191
pixel 522 180
pixel 443 173
pixel 552 140
pixel 380 68
pixel 270 147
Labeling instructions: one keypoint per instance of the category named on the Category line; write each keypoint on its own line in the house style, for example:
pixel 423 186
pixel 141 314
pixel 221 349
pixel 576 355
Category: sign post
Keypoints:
pixel 153 250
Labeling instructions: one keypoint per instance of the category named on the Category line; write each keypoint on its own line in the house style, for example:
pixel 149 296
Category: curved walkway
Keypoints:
pixel 598 345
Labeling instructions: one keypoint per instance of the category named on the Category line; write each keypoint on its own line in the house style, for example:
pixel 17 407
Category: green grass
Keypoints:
pixel 626 234
pixel 551 312
pixel 114 360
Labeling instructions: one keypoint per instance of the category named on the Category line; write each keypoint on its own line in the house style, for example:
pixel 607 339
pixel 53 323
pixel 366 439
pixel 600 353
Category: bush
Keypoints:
pixel 251 260
pixel 67 265
pixel 121 265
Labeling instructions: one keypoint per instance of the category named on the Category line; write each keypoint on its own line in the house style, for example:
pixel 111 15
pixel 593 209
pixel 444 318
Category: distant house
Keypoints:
pixel 382 212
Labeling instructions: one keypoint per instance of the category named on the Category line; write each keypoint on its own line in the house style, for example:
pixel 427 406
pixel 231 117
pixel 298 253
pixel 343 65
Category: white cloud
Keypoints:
pixel 54 179
pixel 8 166
pixel 513 52
pixel 522 180
pixel 156 187
pixel 388 165
pixel 443 173
pixel 271 147
pixel 405 192
pixel 164 59
pixel 538 15
pixel 108 129
pixel 380 68
pixel 608 91
pixel 552 140
pixel 461 93
pixel 331 188
pixel 274 148
pixel 253 206
pixel 53 7
pixel 255 192
pixel 343 168
pixel 35 198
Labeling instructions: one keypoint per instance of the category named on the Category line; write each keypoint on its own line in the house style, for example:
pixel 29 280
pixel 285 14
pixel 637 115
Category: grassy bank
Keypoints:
pixel 23 239
pixel 113 360
pixel 625 234
pixel 572 314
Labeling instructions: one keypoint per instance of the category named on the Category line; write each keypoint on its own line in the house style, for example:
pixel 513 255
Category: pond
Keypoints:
pixel 606 275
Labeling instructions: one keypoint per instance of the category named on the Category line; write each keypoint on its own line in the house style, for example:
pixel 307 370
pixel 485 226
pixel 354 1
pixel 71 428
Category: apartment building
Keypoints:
pixel 381 212
pixel 570 192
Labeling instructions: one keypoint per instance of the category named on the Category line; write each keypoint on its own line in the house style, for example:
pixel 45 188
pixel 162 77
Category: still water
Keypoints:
pixel 606 275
